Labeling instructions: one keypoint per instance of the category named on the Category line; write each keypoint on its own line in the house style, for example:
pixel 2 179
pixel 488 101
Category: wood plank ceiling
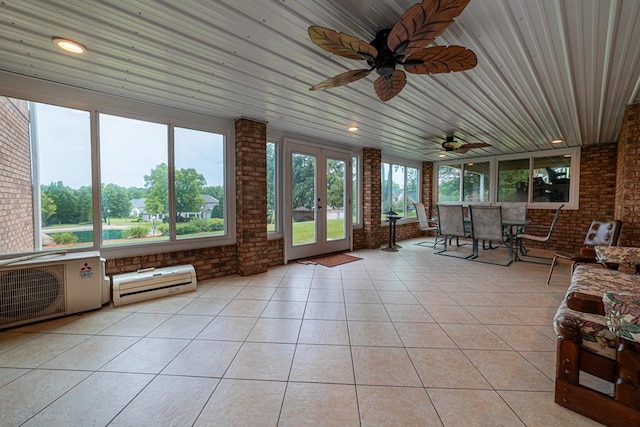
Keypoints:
pixel 546 69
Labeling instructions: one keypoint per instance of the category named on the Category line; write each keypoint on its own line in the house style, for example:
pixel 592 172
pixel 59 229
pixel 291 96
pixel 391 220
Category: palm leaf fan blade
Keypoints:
pixel 471 145
pixel 441 59
pixel 389 86
pixel 341 44
pixel 422 23
pixel 341 79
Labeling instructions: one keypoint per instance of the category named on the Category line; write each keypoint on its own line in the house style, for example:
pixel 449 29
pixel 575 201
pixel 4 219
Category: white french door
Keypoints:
pixel 317 201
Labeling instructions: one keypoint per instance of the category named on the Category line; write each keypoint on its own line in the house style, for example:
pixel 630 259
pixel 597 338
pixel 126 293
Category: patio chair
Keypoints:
pixel 425 225
pixel 600 233
pixel 486 225
pixel 451 224
pixel 542 238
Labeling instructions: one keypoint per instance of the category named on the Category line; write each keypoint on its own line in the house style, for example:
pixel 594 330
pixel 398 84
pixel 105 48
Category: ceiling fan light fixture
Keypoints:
pixel 69 45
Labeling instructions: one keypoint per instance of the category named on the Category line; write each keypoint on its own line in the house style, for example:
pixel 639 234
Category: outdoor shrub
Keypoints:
pixel 185 228
pixel 163 228
pixel 64 238
pixel 137 231
pixel 216 224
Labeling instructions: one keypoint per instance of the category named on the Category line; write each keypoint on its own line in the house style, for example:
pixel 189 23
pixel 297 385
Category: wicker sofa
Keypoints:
pixel 598 328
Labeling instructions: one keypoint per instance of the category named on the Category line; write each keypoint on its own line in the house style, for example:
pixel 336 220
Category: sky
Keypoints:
pixel 130 149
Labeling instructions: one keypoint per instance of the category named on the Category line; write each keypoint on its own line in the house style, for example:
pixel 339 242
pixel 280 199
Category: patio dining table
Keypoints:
pixel 508 224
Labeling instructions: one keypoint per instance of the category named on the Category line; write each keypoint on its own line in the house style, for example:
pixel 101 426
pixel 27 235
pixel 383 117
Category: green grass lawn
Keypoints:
pixel 303 231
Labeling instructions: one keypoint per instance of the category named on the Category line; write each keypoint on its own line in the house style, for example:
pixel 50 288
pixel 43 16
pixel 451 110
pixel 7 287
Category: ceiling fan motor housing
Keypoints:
pixel 385 62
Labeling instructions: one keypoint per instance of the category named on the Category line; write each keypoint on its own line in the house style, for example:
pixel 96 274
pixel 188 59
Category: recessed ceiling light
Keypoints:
pixel 352 128
pixel 557 141
pixel 69 45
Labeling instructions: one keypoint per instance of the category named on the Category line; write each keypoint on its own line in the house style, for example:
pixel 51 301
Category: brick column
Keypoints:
pixel 627 204
pixel 427 189
pixel 371 196
pixel 251 196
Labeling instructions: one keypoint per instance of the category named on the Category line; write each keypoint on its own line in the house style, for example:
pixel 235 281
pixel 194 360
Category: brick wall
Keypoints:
pixel 275 252
pixel 16 197
pixel 596 199
pixel 251 196
pixel 627 191
pixel 371 196
pixel 208 262
pixel 597 196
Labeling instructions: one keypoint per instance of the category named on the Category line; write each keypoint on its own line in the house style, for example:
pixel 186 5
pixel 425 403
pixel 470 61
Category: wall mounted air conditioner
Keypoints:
pixel 152 283
pixel 43 286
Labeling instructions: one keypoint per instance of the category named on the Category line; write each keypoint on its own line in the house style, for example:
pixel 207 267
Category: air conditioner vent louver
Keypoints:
pixel 43 286
pixel 31 292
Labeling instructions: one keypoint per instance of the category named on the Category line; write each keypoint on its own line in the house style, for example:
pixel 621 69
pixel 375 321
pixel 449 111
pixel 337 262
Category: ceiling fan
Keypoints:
pixel 405 44
pixel 450 144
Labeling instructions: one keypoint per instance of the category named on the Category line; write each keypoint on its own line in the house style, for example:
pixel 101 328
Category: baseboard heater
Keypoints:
pixel 152 283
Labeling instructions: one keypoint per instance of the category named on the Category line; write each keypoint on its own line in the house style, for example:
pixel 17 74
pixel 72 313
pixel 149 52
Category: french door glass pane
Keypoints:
pixel 336 191
pixel 303 189
pixel 134 172
pixel 199 183
pixel 513 180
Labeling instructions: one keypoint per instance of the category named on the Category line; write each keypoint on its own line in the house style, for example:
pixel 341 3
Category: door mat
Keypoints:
pixel 330 260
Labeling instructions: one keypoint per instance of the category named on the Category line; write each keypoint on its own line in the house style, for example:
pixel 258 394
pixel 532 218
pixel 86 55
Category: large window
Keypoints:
pixel 355 191
pixel 149 182
pixel 469 179
pixel 272 206
pixel 399 190
pixel 543 180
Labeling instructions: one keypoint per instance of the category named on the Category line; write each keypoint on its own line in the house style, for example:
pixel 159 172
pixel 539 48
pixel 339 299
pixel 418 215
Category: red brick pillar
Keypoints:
pixel 251 196
pixel 371 196
pixel 428 198
pixel 627 183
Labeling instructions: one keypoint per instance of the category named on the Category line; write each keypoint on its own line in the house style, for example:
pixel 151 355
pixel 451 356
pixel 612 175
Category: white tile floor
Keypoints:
pixel 405 338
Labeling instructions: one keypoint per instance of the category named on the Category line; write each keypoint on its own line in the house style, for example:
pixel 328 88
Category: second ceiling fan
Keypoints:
pixel 404 44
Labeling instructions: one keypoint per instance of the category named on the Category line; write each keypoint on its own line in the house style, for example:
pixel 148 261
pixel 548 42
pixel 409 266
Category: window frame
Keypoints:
pixel 406 164
pixel 574 194
pixel 95 103
pixel 277 232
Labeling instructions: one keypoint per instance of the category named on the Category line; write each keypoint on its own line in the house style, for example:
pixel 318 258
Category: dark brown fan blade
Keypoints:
pixel 469 146
pixel 422 23
pixel 341 79
pixel 341 43
pixel 440 59
pixel 389 86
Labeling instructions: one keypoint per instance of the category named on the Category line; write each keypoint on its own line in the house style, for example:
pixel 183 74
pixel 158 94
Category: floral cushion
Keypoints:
pixel 628 256
pixel 595 333
pixel 622 313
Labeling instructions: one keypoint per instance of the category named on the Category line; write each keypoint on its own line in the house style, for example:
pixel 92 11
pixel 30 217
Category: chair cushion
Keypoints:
pixel 594 331
pixel 622 313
